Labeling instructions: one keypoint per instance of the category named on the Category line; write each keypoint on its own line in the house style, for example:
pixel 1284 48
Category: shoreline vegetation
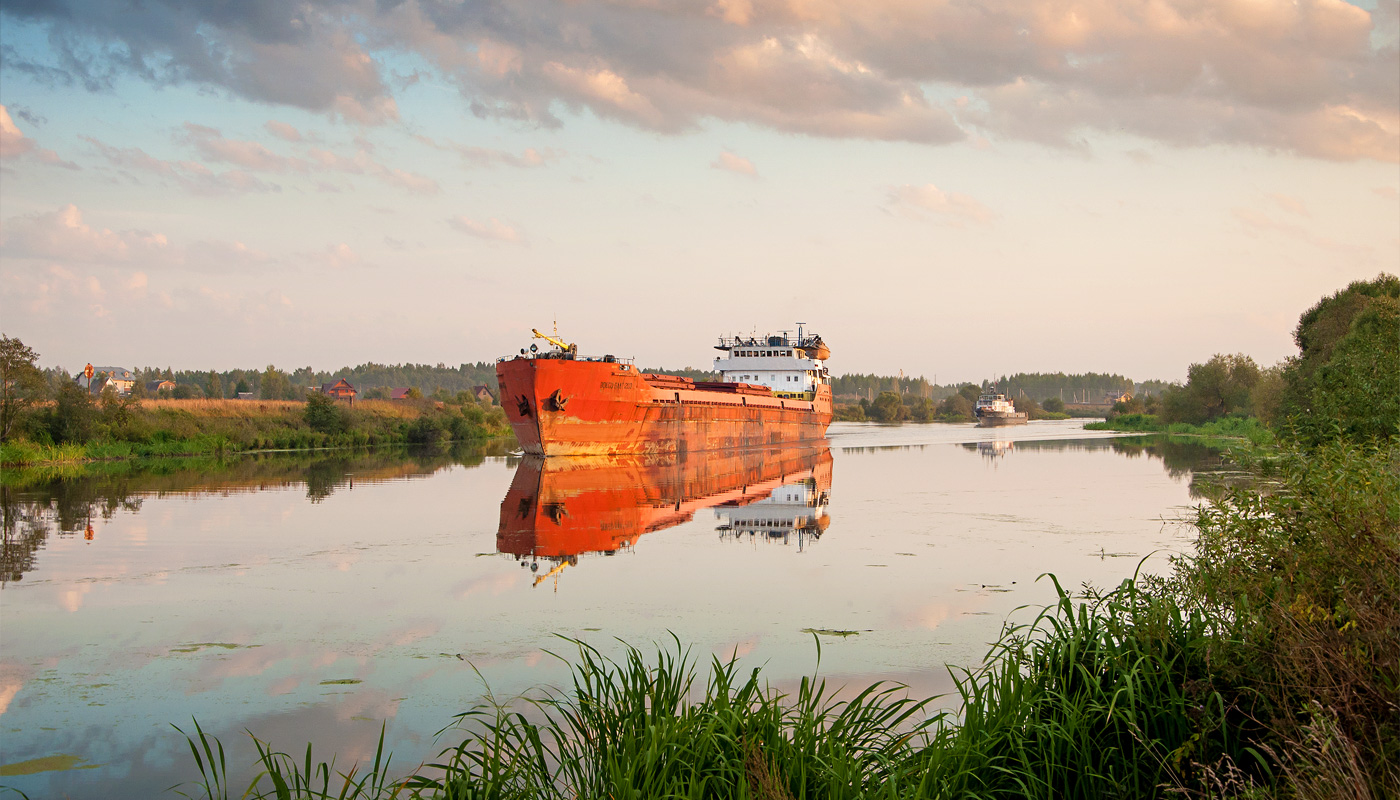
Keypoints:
pixel 1222 431
pixel 76 429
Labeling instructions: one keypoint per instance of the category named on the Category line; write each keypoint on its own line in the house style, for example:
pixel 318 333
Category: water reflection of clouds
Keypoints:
pixel 494 584
pixel 245 662
pixel 71 600
pixel 927 616
pixel 739 648
pixel 12 678
pixel 414 633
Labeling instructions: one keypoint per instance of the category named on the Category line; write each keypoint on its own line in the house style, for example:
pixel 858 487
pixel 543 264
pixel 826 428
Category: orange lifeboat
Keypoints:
pixel 817 349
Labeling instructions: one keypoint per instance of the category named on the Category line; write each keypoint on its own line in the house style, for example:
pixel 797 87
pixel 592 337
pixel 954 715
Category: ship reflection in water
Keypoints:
pixel 559 509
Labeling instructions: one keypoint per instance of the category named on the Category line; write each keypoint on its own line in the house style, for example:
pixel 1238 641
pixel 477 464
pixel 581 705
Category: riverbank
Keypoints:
pixel 1265 665
pixel 137 429
pixel 1249 429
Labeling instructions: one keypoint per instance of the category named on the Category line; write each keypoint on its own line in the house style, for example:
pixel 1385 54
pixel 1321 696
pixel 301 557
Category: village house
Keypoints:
pixel 121 379
pixel 398 393
pixel 340 390
pixel 483 395
pixel 156 387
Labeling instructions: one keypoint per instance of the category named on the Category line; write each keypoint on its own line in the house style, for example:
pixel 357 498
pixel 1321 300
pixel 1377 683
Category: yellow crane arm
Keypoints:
pixel 558 568
pixel 554 340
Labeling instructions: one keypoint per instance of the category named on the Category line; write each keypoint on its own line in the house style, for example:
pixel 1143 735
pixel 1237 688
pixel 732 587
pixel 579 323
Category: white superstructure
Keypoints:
pixel 787 366
pixel 793 509
pixel 992 402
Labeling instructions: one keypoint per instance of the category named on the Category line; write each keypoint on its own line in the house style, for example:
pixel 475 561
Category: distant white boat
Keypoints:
pixel 993 410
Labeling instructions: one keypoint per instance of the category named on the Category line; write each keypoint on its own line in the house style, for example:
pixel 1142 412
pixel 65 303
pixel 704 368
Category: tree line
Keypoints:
pixel 1089 387
pixel 274 383
pixel 1344 381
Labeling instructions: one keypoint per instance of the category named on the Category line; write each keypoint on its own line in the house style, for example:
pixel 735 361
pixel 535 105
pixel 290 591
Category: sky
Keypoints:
pixel 946 188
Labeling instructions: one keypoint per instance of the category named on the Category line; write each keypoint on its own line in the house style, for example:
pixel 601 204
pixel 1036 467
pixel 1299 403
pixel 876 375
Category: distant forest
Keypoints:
pixel 1078 387
pixel 272 383
pixel 428 379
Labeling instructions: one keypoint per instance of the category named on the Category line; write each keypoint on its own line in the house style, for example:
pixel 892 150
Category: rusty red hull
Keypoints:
pixel 579 407
pixel 561 508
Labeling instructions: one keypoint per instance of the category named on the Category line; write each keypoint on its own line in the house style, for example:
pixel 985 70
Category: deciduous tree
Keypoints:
pixel 275 385
pixel 21 383
pixel 1346 379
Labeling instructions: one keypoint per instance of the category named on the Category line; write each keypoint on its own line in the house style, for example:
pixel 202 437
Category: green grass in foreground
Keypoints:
pixel 1268 665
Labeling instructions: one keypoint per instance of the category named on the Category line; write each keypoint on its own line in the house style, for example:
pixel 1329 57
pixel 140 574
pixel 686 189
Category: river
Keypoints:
pixel 316 598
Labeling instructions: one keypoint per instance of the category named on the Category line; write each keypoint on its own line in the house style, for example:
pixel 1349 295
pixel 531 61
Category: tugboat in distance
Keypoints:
pixel 994 410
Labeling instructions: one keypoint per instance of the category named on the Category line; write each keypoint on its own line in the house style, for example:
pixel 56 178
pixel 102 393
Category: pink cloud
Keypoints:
pixel 63 235
pixel 950 206
pixel 491 229
pixel 731 163
pixel 283 131
pixel 15 145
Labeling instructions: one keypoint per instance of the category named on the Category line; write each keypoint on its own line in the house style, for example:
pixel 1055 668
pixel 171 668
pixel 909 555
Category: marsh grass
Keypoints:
pixel 1078 704
pixel 1248 429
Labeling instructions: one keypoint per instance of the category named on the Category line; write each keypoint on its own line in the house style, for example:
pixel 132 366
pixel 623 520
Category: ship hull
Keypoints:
pixel 997 419
pixel 570 407
pixel 561 508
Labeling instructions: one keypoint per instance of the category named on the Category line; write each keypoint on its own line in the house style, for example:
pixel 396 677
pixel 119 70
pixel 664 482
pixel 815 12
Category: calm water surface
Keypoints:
pixel 316 598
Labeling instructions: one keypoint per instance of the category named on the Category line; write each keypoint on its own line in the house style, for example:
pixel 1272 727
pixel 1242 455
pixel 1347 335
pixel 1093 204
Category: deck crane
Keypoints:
pixel 556 341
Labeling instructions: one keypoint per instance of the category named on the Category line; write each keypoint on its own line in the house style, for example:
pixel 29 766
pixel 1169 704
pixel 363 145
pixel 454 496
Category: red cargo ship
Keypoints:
pixel 773 390
pixel 558 509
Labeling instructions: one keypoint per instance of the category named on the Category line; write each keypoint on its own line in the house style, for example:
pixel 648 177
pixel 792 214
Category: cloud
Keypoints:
pixel 1292 205
pixel 212 145
pixel 283 131
pixel 951 206
pixel 12 141
pixel 248 48
pixel 1314 77
pixel 1258 223
pixel 65 238
pixel 15 145
pixel 488 157
pixel 411 181
pixel 335 256
pixel 492 229
pixel 249 158
pixel 190 175
pixel 62 235
pixel 223 256
pixel 732 163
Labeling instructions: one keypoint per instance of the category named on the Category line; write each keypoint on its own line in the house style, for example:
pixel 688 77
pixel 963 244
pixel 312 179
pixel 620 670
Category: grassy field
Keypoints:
pixel 155 428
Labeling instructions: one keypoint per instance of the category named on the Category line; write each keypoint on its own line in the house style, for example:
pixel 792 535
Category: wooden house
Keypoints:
pixel 483 395
pixel 156 387
pixel 340 390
